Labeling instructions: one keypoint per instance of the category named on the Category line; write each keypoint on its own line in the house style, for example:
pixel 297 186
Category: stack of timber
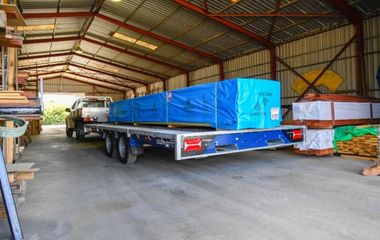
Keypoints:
pixel 233 104
pixel 362 141
pixel 17 104
pixel 317 142
pixel 322 111
pixel 366 145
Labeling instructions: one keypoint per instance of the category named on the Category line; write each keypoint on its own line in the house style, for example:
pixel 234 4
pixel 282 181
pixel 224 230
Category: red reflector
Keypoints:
pixel 192 144
pixel 88 119
pixel 297 134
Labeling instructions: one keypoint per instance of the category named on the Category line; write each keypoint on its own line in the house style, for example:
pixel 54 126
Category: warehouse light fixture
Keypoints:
pixel 134 41
pixel 234 1
pixel 78 50
pixel 116 0
pixel 36 27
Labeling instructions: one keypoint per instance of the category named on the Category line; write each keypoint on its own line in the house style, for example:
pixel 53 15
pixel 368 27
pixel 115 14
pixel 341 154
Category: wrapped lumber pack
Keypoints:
pixel 329 110
pixel 234 104
pixel 357 140
pixel 318 142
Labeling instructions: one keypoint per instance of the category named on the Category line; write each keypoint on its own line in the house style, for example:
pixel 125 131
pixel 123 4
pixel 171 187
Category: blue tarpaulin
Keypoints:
pixel 230 104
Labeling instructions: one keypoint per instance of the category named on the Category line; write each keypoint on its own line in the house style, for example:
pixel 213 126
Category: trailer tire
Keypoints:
pixel 109 144
pixel 125 154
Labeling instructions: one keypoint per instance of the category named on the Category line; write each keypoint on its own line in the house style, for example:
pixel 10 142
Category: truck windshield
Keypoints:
pixel 95 104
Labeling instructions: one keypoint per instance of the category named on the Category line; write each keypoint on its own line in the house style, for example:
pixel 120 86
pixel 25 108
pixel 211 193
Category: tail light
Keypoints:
pixel 192 144
pixel 297 134
pixel 88 119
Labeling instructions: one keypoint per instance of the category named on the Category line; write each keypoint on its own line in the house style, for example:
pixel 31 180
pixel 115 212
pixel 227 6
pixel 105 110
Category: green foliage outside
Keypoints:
pixel 54 114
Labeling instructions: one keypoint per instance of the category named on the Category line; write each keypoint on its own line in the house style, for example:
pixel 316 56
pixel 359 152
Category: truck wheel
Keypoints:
pixel 78 130
pixel 69 132
pixel 109 145
pixel 124 151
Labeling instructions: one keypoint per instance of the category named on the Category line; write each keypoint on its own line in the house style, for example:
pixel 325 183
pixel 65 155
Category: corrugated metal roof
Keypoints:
pixel 170 20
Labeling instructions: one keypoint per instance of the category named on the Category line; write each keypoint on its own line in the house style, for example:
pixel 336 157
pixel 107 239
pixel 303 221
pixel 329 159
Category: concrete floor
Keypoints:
pixel 79 193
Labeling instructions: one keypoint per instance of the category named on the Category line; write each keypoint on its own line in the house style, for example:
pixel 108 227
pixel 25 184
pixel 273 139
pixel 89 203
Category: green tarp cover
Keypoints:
pixel 346 133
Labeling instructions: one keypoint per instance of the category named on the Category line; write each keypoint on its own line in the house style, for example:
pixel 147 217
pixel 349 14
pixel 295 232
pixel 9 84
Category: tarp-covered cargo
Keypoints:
pixel 231 104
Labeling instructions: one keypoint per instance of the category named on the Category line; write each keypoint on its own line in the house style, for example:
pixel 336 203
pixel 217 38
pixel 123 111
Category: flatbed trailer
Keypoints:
pixel 128 141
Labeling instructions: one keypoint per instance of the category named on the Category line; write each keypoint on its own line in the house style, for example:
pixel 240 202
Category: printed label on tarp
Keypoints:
pixel 275 113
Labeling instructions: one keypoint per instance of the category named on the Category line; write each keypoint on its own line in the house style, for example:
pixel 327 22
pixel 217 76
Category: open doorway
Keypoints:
pixel 55 105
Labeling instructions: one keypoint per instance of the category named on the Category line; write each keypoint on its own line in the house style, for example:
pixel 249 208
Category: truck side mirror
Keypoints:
pixel 68 110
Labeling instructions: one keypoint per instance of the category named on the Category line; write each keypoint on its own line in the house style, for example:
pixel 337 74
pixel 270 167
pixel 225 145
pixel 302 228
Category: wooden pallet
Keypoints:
pixel 316 152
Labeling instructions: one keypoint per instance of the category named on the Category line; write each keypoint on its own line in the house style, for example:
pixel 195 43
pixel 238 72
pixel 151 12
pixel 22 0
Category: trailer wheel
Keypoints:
pixel 125 152
pixel 109 144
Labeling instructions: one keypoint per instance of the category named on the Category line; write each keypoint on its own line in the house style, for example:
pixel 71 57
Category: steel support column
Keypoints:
pixel 361 85
pixel 273 63
pixel 188 79
pixel 221 71
pixel 357 19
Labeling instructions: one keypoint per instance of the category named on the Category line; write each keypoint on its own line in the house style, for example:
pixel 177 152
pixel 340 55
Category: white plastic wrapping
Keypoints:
pixel 376 110
pixel 314 110
pixel 322 110
pixel 317 140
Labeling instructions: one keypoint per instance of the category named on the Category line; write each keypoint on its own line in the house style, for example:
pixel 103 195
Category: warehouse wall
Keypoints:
pixel 372 54
pixel 67 86
pixel 304 55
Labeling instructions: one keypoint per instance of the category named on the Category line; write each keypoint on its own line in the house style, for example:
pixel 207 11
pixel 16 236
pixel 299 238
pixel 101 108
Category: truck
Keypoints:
pixel 86 110
pixel 127 142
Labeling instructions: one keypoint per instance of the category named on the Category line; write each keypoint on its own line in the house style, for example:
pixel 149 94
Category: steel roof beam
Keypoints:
pixel 256 37
pixel 57 15
pixel 91 58
pixel 126 26
pixel 201 11
pixel 42 66
pixel 81 81
pixel 23 58
pixel 159 37
pixel 108 74
pixel 79 66
pixel 79 75
pixel 347 10
pixel 118 49
pixel 277 14
pixel 100 80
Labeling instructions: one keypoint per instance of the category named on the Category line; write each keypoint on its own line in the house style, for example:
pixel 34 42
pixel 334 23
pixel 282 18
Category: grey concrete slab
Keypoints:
pixel 79 193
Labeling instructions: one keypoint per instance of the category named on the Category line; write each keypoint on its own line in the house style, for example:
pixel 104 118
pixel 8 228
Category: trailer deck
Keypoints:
pixel 128 141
